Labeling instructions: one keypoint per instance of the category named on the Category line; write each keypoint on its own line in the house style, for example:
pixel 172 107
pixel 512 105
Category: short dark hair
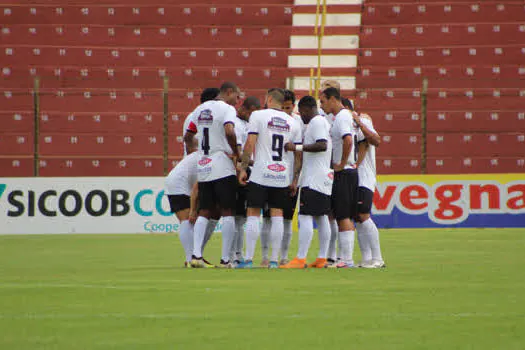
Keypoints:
pixel 209 94
pixel 251 101
pixel 308 102
pixel 332 92
pixel 277 94
pixel 347 103
pixel 289 95
pixel 228 85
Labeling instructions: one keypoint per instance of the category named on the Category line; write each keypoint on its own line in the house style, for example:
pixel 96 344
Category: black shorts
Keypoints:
pixel 344 194
pixel 178 202
pixel 218 193
pixel 290 203
pixel 259 196
pixel 365 198
pixel 314 203
pixel 242 195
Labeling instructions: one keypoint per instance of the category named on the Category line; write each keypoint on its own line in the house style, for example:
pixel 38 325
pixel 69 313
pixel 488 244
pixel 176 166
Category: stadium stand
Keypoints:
pixel 101 70
pixel 472 54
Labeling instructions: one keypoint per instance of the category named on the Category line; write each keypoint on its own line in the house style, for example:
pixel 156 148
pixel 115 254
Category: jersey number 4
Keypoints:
pixel 205 144
pixel 277 147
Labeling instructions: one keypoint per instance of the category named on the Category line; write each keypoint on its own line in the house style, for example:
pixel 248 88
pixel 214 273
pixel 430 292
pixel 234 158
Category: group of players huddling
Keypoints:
pixel 242 163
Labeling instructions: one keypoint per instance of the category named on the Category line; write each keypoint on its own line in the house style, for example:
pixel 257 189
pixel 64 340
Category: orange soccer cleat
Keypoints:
pixel 319 263
pixel 296 263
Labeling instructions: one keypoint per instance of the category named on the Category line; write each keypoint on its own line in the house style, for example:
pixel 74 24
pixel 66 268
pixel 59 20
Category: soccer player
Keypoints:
pixel 207 94
pixel 316 184
pixel 214 123
pixel 244 112
pixel 268 131
pixel 344 158
pixel 367 232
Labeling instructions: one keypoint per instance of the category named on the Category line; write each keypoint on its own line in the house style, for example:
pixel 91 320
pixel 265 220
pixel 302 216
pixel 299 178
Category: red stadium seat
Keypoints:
pixel 16 144
pixel 276 13
pixel 400 145
pixel 442 12
pixel 476 121
pixel 476 144
pixel 16 167
pixel 397 121
pixel 469 165
pixel 393 100
pixel 93 166
pixel 101 123
pixel 79 144
pixel 398 165
pixel 16 122
pixel 16 99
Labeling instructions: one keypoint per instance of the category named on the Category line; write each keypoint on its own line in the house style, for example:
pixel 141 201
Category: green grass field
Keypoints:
pixel 443 289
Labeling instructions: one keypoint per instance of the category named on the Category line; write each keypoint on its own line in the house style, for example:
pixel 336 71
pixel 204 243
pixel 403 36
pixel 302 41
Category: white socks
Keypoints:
pixel 186 238
pixel 368 232
pixel 332 248
pixel 323 226
pixel 252 234
pixel 199 232
pixel 228 234
pixel 276 236
pixel 212 223
pixel 265 237
pixel 238 241
pixel 347 246
pixel 306 232
pixel 287 238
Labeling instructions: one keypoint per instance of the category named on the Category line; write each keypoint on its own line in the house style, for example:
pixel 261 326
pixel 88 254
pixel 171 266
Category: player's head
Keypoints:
pixel 229 93
pixel 250 104
pixel 330 84
pixel 209 94
pixel 331 100
pixel 307 108
pixel 347 104
pixel 289 101
pixel 274 98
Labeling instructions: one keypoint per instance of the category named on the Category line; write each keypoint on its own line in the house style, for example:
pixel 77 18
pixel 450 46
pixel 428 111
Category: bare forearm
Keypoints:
pixel 372 138
pixel 188 142
pixel 347 148
pixel 319 146
pixel 297 166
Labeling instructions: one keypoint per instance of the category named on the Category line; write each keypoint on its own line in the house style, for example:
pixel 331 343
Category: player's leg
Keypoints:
pixel 206 204
pixel 225 190
pixel 332 246
pixel 367 230
pixel 344 209
pixel 256 199
pixel 290 204
pixel 180 205
pixel 265 238
pixel 213 220
pixel 240 220
pixel 276 204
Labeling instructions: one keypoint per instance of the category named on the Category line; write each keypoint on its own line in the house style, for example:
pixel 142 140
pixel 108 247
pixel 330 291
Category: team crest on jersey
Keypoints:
pixel 205 117
pixel 204 161
pixel 278 168
pixel 278 124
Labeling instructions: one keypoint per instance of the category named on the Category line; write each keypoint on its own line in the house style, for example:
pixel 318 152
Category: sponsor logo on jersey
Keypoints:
pixel 204 161
pixel 279 124
pixel 278 168
pixel 205 117
pixel 331 176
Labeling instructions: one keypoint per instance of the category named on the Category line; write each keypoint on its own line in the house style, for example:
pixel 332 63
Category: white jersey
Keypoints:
pixel 274 129
pixel 208 122
pixel 367 168
pixel 344 125
pixel 316 173
pixel 181 179
pixel 241 130
pixel 290 156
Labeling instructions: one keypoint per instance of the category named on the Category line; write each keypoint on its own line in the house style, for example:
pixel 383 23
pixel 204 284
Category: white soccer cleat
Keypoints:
pixel 374 264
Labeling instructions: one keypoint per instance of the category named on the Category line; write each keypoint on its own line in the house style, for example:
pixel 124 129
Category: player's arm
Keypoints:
pixel 318 146
pixel 246 157
pixel 189 138
pixel 193 202
pixel 297 166
pixel 363 146
pixel 347 149
pixel 231 137
pixel 372 137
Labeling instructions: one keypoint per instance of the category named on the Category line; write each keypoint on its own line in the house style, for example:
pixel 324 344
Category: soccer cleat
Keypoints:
pixel 319 263
pixel 330 264
pixel 225 264
pixel 186 265
pixel 283 262
pixel 265 263
pixel 343 265
pixel 363 262
pixel 196 263
pixel 296 263
pixel 247 264
pixel 374 264
pixel 273 265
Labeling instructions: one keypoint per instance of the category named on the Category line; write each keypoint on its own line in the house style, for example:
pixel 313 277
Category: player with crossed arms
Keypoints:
pixel 268 131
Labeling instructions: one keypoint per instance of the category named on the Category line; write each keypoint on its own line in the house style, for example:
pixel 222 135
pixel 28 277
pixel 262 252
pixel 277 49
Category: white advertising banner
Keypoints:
pixel 85 205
